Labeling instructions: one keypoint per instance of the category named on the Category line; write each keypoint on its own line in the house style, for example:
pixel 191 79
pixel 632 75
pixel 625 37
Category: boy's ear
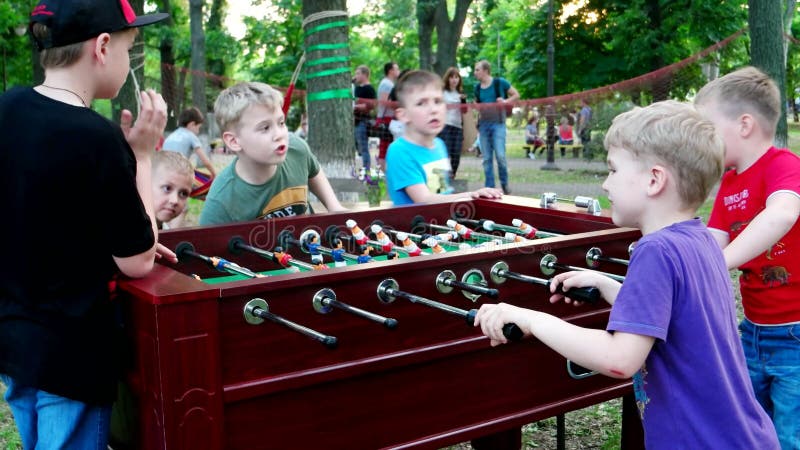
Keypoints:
pixel 401 115
pixel 231 141
pixel 100 44
pixel 747 123
pixel 659 176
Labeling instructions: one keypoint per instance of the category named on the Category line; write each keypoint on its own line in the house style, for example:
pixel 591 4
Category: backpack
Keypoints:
pixel 496 85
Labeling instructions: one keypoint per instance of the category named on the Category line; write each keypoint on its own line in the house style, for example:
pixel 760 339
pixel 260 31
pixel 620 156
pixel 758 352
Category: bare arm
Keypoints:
pixel 617 355
pixel 201 154
pixel 321 187
pixel 143 137
pixel 767 228
pixel 513 95
pixel 420 193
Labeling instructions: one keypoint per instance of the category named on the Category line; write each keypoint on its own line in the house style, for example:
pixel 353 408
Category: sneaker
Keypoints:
pixel 506 190
pixel 531 155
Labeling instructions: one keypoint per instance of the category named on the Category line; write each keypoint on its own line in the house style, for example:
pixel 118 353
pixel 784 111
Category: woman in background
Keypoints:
pixel 452 134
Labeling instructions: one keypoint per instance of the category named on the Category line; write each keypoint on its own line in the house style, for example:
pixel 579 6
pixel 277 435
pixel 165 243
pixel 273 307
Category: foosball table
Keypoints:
pixel 353 330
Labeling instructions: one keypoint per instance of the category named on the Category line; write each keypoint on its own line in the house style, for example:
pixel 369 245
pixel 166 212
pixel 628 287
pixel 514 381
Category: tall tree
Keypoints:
pixel 128 94
pixel 166 48
pixel 765 18
pixel 198 64
pixel 432 15
pixel 329 95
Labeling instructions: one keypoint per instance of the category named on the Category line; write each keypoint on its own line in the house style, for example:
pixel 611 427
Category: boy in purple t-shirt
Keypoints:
pixel 674 333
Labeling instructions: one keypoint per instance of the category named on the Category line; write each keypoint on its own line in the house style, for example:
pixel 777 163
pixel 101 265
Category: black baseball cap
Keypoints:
pixel 73 21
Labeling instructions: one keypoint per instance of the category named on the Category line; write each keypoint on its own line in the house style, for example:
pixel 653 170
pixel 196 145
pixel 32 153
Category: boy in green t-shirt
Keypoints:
pixel 273 170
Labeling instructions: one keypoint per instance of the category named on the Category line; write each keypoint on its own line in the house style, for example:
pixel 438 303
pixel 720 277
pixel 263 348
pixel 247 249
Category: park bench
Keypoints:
pixel 576 149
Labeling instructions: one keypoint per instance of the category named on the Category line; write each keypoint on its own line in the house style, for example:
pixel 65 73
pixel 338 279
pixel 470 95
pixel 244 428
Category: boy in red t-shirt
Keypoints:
pixel 754 220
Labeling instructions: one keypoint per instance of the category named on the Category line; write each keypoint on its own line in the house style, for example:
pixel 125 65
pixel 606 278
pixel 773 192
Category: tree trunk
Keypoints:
pixel 128 95
pixel 198 63
pixel 432 16
pixel 216 65
pixel 448 32
pixel 166 49
pixel 329 97
pixel 426 14
pixel 766 50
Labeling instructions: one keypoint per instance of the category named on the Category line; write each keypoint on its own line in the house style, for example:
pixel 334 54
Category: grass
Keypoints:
pixel 597 426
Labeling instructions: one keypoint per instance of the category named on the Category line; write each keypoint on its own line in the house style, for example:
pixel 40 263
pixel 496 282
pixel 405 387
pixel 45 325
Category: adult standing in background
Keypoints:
pixel 385 112
pixel 452 134
pixel 584 121
pixel 362 112
pixel 492 121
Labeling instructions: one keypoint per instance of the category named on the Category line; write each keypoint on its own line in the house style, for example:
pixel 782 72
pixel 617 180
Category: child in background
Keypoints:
pixel 184 139
pixel 675 334
pixel 172 183
pixel 754 220
pixel 80 190
pixel 273 170
pixel 417 164
pixel 532 136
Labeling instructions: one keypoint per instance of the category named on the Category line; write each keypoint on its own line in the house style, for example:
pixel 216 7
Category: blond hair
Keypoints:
pixel 676 135
pixel 232 102
pixel 173 161
pixel 745 91
pixel 416 79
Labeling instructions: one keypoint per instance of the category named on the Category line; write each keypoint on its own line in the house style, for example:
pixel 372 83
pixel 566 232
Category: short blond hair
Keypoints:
pixel 173 161
pixel 745 91
pixel 676 135
pixel 416 79
pixel 232 102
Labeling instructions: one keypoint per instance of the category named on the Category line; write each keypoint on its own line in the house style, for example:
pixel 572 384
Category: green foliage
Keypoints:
pixel 15 50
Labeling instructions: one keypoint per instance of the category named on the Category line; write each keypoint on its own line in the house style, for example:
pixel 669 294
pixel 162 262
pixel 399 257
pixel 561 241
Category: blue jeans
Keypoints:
pixel 46 421
pixel 493 144
pixel 773 360
pixel 362 143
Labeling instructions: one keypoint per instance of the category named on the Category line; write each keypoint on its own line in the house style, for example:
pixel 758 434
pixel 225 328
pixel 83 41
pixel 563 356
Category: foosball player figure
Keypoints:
pixel 462 231
pixel 448 236
pixel 392 255
pixel 281 257
pixel 312 245
pixel 433 243
pixel 337 253
pixel 530 232
pixel 386 244
pixel 408 244
pixel 319 264
pixel 514 237
pixel 358 234
pixel 363 254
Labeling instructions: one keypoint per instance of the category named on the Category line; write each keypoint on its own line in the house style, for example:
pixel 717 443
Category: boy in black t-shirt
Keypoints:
pixel 79 191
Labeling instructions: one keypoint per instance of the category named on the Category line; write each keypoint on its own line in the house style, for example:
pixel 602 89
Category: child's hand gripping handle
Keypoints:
pixel 510 330
pixel 582 294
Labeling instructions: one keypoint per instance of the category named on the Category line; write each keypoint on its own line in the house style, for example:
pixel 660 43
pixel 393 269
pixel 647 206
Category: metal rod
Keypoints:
pixel 583 294
pixel 266 254
pixel 259 308
pixel 549 264
pixel 448 279
pixel 387 291
pixel 388 322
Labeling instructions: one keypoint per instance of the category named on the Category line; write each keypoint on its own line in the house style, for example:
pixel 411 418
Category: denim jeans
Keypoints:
pixel 46 421
pixel 362 143
pixel 493 144
pixel 773 360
